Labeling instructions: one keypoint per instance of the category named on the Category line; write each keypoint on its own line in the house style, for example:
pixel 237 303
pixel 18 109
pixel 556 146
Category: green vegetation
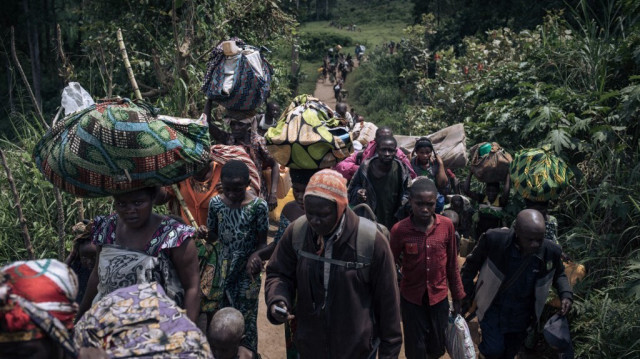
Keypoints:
pixel 571 82
pixel 376 24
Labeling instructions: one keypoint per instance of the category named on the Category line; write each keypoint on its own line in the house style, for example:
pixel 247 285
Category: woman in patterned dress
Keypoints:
pixel 238 223
pixel 138 246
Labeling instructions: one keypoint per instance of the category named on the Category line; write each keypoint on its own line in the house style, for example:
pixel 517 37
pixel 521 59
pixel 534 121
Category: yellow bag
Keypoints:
pixel 284 181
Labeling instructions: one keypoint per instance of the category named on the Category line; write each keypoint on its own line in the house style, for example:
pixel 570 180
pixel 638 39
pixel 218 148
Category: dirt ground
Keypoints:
pixel 271 343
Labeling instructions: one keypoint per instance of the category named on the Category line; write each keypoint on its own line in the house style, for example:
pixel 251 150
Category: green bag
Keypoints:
pixel 308 136
pixel 119 146
pixel 539 175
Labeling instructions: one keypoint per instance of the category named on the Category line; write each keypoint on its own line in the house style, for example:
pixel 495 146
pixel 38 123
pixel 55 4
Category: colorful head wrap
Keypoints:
pixel 141 321
pixel 330 185
pixel 36 301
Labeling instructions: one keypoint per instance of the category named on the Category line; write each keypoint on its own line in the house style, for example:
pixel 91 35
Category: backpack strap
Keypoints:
pixel 299 233
pixel 365 242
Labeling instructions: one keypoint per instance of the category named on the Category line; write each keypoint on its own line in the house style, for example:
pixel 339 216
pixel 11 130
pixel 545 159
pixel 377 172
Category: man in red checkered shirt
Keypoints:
pixel 424 245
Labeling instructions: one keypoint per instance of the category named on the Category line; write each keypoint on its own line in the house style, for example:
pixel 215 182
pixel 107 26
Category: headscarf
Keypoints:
pixel 330 185
pixel 141 321
pixel 37 301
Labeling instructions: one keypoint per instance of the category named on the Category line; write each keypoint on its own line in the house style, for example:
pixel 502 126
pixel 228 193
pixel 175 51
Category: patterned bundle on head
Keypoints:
pixel 250 81
pixel 37 301
pixel 223 153
pixel 120 146
pixel 539 175
pixel 308 136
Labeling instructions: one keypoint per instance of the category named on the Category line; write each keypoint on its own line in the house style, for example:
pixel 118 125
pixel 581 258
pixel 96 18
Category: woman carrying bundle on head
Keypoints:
pixel 243 133
pixel 426 162
pixel 136 245
pixel 238 223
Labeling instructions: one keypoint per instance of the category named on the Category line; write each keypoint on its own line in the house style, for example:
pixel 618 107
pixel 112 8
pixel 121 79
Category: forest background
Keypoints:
pixel 521 73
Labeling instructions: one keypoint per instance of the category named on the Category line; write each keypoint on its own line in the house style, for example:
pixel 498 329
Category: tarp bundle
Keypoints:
pixel 308 136
pixel 239 82
pixel 539 175
pixel 118 146
pixel 449 143
pixel 492 166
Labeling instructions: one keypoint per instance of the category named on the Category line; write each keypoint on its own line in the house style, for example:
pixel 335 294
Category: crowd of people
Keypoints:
pixel 346 282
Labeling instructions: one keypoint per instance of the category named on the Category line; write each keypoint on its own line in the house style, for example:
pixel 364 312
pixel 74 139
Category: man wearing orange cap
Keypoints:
pixel 347 297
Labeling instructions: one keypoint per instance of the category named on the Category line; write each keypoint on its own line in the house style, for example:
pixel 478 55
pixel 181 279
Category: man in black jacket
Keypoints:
pixel 517 268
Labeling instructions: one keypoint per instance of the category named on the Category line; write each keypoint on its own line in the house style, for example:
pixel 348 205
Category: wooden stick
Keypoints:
pixel 14 55
pixel 132 79
pixel 26 238
pixel 183 205
pixel 60 224
pixel 127 65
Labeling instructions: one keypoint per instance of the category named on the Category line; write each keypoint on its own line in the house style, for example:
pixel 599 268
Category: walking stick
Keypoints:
pixel 136 90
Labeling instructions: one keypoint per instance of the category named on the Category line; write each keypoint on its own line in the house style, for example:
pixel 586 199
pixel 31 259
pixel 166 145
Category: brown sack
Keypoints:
pixel 492 167
pixel 449 143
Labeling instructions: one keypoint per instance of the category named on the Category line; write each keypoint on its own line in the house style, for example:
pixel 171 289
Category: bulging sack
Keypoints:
pixel 458 338
pixel 308 136
pixel 240 81
pixel 539 175
pixel 120 146
pixel 449 143
pixel 491 167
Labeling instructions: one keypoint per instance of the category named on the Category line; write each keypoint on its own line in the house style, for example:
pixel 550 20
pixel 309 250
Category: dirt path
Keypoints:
pixel 271 344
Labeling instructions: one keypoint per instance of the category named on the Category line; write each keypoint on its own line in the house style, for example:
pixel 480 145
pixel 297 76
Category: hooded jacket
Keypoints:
pixel 357 313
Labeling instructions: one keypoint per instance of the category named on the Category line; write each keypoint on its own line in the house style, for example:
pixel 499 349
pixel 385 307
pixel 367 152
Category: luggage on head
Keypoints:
pixel 489 162
pixel 119 146
pixel 308 136
pixel 238 76
pixel 449 143
pixel 539 175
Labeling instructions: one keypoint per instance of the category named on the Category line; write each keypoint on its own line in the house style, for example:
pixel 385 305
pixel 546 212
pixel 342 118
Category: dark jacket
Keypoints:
pixel 356 313
pixel 361 180
pixel 489 258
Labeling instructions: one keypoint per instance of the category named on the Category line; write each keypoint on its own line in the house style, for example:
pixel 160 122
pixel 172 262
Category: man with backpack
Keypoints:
pixel 334 272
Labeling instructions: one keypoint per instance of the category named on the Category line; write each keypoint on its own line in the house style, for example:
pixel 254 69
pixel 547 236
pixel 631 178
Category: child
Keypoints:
pixel 82 258
pixel 424 246
pixel 490 204
pixel 238 222
pixel 225 333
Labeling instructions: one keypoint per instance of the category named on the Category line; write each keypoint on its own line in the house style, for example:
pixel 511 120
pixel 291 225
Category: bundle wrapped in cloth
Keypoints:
pixel 449 143
pixel 308 136
pixel 119 146
pixel 539 175
pixel 238 76
pixel 223 154
pixel 489 162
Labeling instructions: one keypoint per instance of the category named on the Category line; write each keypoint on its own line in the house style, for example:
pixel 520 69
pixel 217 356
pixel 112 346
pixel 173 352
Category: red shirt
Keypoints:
pixel 429 260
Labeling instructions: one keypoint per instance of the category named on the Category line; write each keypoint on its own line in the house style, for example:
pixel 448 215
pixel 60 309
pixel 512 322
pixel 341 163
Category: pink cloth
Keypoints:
pixel 348 166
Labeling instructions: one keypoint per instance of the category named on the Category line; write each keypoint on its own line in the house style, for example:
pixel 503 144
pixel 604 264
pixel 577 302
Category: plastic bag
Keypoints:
pixel 75 98
pixel 458 337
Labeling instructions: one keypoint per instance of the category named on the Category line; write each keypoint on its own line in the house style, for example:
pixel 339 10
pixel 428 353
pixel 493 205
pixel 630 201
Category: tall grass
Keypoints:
pixel 36 198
